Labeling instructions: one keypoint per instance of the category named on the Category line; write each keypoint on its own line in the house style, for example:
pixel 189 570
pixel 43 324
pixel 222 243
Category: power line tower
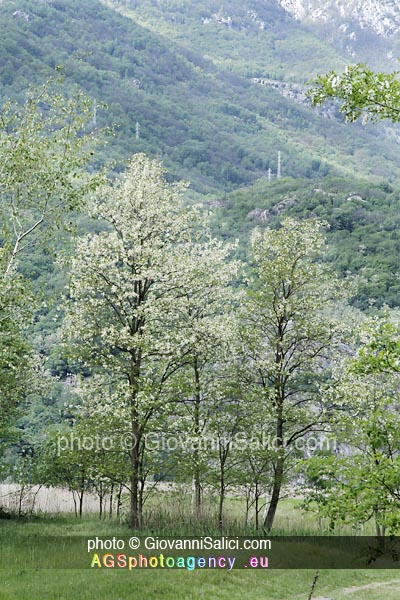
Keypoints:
pixel 137 130
pixel 278 171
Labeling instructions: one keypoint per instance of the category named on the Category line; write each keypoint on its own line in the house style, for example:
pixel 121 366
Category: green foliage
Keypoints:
pixel 43 149
pixel 363 220
pixel 380 353
pixel 44 146
pixel 360 481
pixel 290 334
pixel 362 92
pixel 15 357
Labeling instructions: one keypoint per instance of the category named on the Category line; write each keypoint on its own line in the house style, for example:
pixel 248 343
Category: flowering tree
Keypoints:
pixel 134 302
pixel 290 332
pixel 203 328
pixel 380 351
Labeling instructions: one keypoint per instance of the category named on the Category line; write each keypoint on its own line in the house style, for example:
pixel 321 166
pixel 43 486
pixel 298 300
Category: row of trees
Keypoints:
pixel 184 355
pixel 172 345
pixel 173 339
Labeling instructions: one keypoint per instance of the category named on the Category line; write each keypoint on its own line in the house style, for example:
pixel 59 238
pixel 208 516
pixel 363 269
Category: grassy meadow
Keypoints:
pixel 21 582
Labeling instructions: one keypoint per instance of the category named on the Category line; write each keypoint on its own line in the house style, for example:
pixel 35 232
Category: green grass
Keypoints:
pixel 272 585
pixel 170 513
pixel 18 538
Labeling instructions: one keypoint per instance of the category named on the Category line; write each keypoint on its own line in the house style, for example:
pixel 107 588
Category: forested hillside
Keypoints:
pixel 281 39
pixel 363 218
pixel 179 102
pixel 252 38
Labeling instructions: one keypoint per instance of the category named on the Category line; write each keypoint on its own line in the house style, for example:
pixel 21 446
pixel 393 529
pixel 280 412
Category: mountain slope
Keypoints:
pixel 254 38
pixel 367 30
pixel 363 232
pixel 211 127
pixel 382 17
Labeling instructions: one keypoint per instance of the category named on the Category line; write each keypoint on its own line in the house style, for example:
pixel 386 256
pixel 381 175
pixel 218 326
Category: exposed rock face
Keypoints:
pixel 21 14
pixel 380 16
pixel 264 214
pixel 242 19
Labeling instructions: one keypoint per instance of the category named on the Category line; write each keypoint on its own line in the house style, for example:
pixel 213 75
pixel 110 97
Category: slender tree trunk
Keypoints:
pixel 81 492
pixel 221 501
pixel 21 496
pixel 276 490
pixel 278 474
pixel 257 509
pixel 223 457
pixel 135 521
pixel 75 506
pixel 119 501
pixel 279 404
pixel 110 508
pixel 197 488
pixel 135 517
pixel 141 496
pixel 34 499
pixel 196 453
pixel 380 529
pixel 248 499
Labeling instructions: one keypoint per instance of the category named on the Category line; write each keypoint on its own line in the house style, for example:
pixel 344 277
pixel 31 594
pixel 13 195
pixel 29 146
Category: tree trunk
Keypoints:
pixel 81 503
pixel 135 519
pixel 110 510
pixel 75 506
pixel 248 499
pixel 100 493
pixel 142 481
pixel 278 474
pixel 276 490
pixel 135 513
pixel 81 493
pixel 197 487
pixel 380 529
pixel 119 501
pixel 21 495
pixel 196 453
pixel 257 508
pixel 221 501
